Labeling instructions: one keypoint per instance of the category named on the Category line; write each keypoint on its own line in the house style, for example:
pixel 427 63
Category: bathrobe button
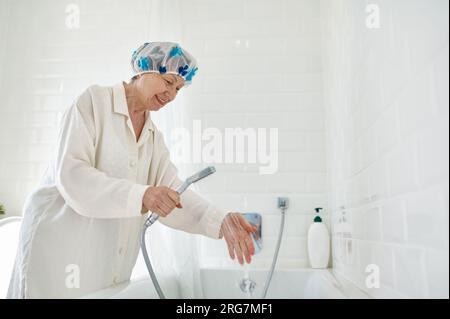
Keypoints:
pixel 133 163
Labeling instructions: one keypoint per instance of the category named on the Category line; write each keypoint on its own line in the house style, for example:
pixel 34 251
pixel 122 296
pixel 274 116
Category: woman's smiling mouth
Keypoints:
pixel 160 101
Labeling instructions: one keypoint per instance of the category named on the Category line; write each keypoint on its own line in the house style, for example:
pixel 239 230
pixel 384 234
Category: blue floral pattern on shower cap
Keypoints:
pixel 164 57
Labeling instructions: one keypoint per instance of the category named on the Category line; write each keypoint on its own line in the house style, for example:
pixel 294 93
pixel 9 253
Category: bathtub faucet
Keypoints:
pixel 247 285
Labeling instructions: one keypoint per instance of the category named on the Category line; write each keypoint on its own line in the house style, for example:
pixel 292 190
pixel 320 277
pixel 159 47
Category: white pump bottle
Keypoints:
pixel 318 243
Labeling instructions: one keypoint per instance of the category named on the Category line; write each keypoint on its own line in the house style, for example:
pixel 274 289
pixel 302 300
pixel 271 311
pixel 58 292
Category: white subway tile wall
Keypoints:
pixel 260 67
pixel 386 102
pixel 44 65
pixel 362 117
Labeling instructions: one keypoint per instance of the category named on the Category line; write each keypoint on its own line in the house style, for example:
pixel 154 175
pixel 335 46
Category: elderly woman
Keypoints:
pixel 110 169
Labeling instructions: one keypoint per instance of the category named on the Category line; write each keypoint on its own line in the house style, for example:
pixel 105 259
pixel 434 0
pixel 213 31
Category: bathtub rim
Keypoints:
pixel 347 288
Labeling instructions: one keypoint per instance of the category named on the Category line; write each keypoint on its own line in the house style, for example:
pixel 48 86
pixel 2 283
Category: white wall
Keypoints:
pixel 385 112
pixel 45 66
pixel 260 67
pixel 386 98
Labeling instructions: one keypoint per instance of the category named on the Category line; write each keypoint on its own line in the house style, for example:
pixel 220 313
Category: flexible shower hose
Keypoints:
pixel 154 217
pixel 275 256
pixel 158 289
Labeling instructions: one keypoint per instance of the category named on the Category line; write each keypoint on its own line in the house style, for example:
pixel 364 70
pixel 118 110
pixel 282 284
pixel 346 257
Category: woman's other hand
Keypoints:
pixel 237 233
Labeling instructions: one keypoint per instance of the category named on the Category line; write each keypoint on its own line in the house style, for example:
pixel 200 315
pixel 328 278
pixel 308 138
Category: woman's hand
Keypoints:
pixel 161 200
pixel 237 232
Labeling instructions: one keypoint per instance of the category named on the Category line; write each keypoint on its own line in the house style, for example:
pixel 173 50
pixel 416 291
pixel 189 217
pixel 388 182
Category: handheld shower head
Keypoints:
pixel 202 174
pixel 195 178
pixel 190 180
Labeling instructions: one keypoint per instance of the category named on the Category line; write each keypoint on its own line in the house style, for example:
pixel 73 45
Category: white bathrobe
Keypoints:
pixel 81 226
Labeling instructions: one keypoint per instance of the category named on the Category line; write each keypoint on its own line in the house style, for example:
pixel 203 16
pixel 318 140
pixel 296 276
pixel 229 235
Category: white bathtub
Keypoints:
pixel 285 284
pixel 224 284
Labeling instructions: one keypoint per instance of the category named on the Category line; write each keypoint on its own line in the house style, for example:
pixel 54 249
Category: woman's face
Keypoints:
pixel 155 90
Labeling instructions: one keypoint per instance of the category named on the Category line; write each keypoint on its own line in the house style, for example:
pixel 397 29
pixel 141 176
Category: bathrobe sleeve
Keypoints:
pixel 87 190
pixel 197 216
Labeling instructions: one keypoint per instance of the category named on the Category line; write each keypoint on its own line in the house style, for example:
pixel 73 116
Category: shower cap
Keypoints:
pixel 164 58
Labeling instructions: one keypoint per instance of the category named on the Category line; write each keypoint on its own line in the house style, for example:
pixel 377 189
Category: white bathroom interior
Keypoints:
pixel 358 93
